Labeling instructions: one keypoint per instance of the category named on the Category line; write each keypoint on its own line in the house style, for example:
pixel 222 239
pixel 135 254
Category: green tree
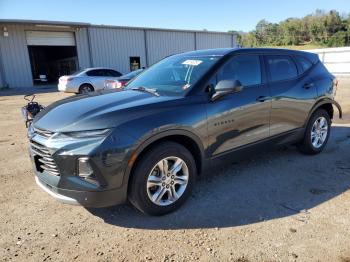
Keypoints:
pixel 338 39
pixel 249 40
pixel 321 28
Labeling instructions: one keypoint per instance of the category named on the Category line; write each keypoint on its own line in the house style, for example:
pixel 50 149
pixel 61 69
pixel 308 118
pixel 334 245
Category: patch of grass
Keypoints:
pixel 298 47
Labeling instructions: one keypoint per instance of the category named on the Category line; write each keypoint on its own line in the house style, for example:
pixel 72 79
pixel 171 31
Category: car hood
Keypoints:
pixel 98 110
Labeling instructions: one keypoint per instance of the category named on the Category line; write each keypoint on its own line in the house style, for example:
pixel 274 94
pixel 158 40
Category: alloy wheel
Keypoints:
pixel 167 181
pixel 319 132
pixel 85 89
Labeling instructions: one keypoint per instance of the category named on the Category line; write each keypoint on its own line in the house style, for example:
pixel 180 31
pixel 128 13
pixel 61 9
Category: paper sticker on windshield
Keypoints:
pixel 192 62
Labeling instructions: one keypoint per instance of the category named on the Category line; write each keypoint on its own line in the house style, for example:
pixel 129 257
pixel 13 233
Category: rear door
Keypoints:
pixel 292 91
pixel 98 77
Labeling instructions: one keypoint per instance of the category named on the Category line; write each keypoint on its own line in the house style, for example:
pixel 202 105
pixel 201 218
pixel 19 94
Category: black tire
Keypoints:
pixel 306 146
pixel 86 88
pixel 138 194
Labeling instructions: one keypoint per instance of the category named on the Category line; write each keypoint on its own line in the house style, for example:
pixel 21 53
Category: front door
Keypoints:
pixel 241 118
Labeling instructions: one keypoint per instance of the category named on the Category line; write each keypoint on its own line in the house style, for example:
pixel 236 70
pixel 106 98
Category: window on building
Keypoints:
pixel 135 63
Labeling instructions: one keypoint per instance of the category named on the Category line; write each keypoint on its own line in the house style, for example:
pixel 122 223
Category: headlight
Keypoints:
pixel 88 134
pixel 30 131
pixel 83 134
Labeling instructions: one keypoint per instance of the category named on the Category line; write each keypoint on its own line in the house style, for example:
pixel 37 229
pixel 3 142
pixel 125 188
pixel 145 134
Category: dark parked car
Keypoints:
pixel 183 115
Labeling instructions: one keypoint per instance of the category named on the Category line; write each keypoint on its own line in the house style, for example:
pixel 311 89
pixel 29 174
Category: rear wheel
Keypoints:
pixel 317 133
pixel 163 179
pixel 85 88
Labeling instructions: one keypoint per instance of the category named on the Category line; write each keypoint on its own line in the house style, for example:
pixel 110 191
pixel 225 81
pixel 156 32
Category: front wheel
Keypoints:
pixel 163 179
pixel 317 133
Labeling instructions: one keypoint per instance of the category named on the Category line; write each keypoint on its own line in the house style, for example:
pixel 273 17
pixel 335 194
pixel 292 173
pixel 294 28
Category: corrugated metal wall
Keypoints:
pixel 161 44
pixel 105 46
pixel 2 82
pixel 336 60
pixel 2 79
pixel 214 40
pixel 113 47
pixel 15 56
pixel 82 43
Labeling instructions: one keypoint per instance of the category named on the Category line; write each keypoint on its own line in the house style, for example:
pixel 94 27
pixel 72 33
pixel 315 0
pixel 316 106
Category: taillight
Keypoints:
pixel 66 79
pixel 114 84
pixel 109 84
pixel 335 82
pixel 121 83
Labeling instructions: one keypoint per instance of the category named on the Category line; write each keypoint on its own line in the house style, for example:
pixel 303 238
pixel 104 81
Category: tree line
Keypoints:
pixel 329 29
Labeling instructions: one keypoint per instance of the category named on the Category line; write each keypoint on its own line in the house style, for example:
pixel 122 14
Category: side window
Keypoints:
pixel 114 73
pixel 281 67
pixel 245 68
pixel 305 63
pixel 105 72
pixel 93 73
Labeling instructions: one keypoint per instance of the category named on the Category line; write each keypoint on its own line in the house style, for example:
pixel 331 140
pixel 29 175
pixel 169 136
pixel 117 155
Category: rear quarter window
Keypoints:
pixel 304 63
pixel 113 73
pixel 95 72
pixel 281 67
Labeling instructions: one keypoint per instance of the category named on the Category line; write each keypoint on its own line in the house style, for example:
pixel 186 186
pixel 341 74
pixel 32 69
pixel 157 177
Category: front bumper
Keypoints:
pixel 56 172
pixel 85 198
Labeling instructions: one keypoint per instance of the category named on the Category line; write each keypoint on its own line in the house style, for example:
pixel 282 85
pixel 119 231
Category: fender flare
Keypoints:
pixel 133 156
pixel 339 108
pixel 323 102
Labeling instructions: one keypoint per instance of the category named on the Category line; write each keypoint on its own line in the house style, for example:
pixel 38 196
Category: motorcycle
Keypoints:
pixel 30 110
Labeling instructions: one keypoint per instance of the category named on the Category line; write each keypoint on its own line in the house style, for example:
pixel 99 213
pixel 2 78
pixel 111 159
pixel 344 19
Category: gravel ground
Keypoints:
pixel 276 206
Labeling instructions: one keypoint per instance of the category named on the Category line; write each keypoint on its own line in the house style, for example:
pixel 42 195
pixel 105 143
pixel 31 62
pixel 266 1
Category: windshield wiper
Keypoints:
pixel 145 89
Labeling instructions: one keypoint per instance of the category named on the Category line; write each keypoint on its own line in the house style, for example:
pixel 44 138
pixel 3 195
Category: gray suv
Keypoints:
pixel 177 119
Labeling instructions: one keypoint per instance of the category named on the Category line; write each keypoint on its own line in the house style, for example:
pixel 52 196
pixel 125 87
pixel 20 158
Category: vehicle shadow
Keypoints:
pixel 268 186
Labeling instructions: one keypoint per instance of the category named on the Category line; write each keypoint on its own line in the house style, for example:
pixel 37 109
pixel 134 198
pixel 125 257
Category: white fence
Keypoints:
pixel 337 60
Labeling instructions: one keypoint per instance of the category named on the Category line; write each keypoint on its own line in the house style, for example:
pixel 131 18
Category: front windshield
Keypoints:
pixel 174 75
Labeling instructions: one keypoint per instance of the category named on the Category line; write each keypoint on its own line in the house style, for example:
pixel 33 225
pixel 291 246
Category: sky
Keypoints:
pixel 213 15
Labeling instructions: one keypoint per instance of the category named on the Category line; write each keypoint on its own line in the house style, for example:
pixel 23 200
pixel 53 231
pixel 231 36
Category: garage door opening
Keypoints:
pixel 51 54
pixel 48 63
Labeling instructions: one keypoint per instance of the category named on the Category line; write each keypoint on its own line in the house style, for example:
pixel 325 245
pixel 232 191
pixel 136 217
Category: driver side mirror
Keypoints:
pixel 225 87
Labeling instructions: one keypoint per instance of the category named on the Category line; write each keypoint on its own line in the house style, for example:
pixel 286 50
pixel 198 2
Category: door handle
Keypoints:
pixel 262 98
pixel 308 85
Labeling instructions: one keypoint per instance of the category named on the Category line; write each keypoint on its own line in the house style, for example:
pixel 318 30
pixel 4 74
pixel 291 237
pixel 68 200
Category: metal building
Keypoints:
pixel 38 52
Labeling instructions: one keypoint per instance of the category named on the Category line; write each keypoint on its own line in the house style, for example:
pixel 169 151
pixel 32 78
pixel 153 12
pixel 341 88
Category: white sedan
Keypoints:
pixel 87 80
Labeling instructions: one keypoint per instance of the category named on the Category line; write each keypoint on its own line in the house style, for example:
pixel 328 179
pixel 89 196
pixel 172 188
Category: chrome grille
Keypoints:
pixel 43 133
pixel 43 159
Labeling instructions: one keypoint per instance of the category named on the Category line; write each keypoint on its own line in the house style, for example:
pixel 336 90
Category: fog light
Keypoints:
pixel 84 167
pixel 86 172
